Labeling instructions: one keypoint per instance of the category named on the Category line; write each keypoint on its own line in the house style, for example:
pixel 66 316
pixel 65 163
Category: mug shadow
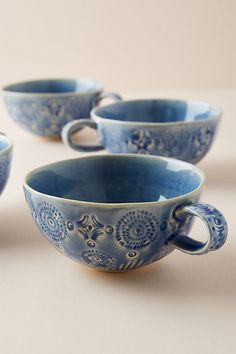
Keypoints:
pixel 46 139
pixel 178 275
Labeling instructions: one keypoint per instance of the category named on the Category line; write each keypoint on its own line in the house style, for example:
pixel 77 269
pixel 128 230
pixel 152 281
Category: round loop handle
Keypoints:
pixel 76 125
pixel 103 95
pixel 73 127
pixel 216 225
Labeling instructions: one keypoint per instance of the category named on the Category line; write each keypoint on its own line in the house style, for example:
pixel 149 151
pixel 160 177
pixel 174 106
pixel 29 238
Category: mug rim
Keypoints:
pixel 6 88
pixel 97 118
pixel 9 146
pixel 119 205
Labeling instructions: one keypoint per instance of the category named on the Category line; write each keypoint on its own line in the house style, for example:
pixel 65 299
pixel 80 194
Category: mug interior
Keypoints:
pixel 55 86
pixel 116 179
pixel 157 111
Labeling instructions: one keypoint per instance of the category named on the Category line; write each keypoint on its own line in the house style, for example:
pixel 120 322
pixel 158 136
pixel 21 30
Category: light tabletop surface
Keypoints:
pixel 182 304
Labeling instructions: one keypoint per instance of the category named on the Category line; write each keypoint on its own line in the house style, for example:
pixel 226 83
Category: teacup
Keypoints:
pixel 6 148
pixel 171 128
pixel 120 212
pixel 43 107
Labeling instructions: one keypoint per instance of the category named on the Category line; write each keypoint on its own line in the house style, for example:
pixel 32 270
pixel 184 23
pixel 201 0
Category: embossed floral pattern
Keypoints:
pixel 98 259
pixel 90 228
pixel 178 142
pixel 51 222
pixel 137 229
pixel 202 140
pixel 52 108
pixel 47 116
pixel 136 237
pixel 174 145
pixel 142 140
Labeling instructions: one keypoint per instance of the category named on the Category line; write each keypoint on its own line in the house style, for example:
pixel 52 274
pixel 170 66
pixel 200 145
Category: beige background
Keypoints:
pixel 127 44
pixel 180 305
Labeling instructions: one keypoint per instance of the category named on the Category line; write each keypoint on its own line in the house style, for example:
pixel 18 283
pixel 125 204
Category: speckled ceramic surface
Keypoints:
pixel 6 148
pixel 120 212
pixel 43 107
pixel 172 128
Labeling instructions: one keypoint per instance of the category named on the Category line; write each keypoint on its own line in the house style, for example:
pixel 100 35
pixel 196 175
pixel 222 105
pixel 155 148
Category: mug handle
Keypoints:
pixel 76 125
pixel 72 127
pixel 103 95
pixel 216 225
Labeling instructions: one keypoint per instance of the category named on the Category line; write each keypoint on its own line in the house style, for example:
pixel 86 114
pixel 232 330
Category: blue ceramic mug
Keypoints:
pixel 43 107
pixel 120 212
pixel 172 128
pixel 6 148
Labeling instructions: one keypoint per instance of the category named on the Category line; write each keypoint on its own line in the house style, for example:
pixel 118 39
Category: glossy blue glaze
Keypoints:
pixel 43 107
pixel 5 160
pixel 118 212
pixel 179 129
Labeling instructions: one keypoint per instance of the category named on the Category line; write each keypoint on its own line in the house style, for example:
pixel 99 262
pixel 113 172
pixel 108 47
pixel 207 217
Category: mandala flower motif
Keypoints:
pixel 98 259
pixel 51 222
pixel 137 229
